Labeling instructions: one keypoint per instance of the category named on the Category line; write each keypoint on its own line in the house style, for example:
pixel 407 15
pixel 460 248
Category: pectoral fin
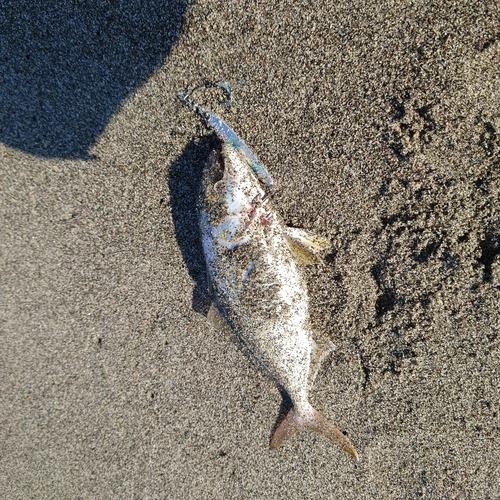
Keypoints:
pixel 307 248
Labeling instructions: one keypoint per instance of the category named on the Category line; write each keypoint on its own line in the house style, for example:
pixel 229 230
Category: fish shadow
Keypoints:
pixel 184 182
pixel 66 67
pixel 285 406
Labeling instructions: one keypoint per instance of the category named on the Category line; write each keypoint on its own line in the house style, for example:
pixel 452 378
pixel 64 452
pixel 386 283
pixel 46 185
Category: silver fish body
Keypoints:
pixel 253 272
pixel 257 286
pixel 256 282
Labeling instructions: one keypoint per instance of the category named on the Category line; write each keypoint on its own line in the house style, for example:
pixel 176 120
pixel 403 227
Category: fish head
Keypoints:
pixel 232 197
pixel 229 182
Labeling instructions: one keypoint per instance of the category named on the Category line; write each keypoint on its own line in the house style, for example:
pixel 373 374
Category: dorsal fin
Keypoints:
pixel 318 355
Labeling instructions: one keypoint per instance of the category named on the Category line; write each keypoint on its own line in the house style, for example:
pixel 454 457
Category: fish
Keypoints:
pixel 253 272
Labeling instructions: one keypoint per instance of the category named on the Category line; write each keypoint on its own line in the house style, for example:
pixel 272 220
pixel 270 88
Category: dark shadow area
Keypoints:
pixel 490 248
pixel 285 406
pixel 66 66
pixel 184 184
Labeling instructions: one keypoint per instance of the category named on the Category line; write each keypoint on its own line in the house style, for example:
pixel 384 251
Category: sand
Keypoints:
pixel 380 125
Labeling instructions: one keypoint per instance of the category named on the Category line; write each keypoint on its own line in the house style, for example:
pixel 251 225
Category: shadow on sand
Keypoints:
pixel 66 67
pixel 184 184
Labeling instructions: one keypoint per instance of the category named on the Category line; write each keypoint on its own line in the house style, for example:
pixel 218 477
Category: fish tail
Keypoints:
pixel 293 423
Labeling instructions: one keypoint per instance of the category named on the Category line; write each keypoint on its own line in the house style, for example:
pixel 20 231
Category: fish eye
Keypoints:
pixel 218 185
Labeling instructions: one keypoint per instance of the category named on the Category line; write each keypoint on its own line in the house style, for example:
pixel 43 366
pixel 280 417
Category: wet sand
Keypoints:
pixel 380 125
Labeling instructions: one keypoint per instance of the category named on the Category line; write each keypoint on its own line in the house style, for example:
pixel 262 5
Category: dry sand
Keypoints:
pixel 380 124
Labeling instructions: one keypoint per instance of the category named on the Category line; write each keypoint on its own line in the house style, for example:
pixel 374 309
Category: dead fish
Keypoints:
pixel 252 262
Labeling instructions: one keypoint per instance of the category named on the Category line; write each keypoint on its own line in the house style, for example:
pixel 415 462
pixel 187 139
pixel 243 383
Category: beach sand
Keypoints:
pixel 380 125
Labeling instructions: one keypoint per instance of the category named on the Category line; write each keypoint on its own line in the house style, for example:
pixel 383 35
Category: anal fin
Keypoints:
pixel 215 317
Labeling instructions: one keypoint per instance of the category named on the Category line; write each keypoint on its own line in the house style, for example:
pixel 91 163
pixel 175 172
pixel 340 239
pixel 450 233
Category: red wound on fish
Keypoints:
pixel 266 220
